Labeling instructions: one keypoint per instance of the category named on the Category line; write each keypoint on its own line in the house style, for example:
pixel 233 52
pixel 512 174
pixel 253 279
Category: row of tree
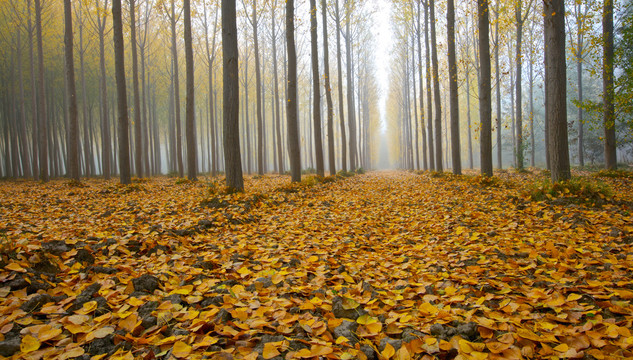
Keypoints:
pixel 150 75
pixel 431 140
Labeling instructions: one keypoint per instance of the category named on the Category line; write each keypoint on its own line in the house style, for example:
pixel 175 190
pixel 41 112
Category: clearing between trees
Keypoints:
pixel 389 265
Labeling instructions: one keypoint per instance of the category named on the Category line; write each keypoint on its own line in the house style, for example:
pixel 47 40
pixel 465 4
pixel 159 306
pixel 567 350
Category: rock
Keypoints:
pixel 267 339
pixel 8 347
pixel 45 267
pixel 223 316
pixel 340 312
pixel 438 330
pixel 216 300
pixel 101 346
pixel 36 302
pixel 37 285
pixel 205 223
pixel 85 296
pixel 396 343
pixel 206 265
pixel 146 283
pixel 468 331
pixel 369 352
pixel 56 247
pixel 102 306
pixel 103 270
pixel 347 329
pixel 84 256
pixel 17 283
pixel 174 299
pixel 145 312
pixel 410 334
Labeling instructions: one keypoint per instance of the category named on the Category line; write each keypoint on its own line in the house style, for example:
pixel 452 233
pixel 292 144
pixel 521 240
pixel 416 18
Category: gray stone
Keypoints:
pixel 347 329
pixel 9 347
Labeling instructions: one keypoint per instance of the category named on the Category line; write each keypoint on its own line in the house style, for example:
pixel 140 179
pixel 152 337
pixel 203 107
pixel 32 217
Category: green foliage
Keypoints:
pixel 360 170
pixel 345 174
pixel 576 190
pixel 182 181
pixel 614 174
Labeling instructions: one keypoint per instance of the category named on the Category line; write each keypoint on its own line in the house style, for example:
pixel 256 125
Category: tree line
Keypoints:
pixel 129 89
pixel 567 53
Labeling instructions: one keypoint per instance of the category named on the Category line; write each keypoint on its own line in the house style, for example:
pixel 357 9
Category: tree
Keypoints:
pixel 454 96
pixel 436 90
pixel 119 64
pixel 258 95
pixel 73 133
pixel 231 97
pixel 351 113
pixel 556 88
pixel 341 109
pixel 316 102
pixel 41 98
pixel 280 158
pixel 520 19
pixel 138 135
pixel 328 93
pixel 294 151
pixel 610 158
pixel 429 89
pixel 192 158
pixel 485 106
pixel 176 89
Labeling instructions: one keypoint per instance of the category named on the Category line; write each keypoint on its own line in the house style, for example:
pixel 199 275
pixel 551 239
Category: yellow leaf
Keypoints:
pixel 469 347
pixel 403 354
pixel 277 278
pixel 573 297
pixel 366 319
pixel 388 351
pixel 313 258
pixel 185 290
pixel 562 348
pixel 101 332
pixel 88 307
pixel 350 304
pixel 341 340
pixel 527 334
pixel 15 267
pixel 29 343
pixel 181 350
pixel 303 353
pixel 428 309
pixel 271 350
pixel 320 350
pixel 47 332
pixel 374 328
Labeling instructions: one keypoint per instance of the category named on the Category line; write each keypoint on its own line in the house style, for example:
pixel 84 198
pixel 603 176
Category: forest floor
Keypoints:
pixel 389 265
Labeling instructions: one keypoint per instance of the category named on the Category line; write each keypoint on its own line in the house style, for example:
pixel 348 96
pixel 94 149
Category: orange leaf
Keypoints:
pixel 181 350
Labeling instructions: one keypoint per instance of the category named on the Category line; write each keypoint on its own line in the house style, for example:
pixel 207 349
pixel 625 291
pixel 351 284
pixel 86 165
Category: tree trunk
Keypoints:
pixel 316 92
pixel 258 96
pixel 41 103
pixel 556 89
pixel 106 141
pixel 425 163
pixel 340 89
pixel 519 103
pixel 579 54
pixel 294 151
pixel 429 89
pixel 351 113
pixel 610 158
pixel 73 133
pixel 138 135
pixel 192 158
pixel 498 86
pixel 436 90
pixel 34 98
pixel 454 96
pixel 328 92
pixel 174 54
pixel 231 98
pixel 485 108
pixel 123 139
pixel 276 80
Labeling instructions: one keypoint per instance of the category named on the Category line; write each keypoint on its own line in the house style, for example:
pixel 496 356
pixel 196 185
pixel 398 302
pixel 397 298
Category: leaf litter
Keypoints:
pixel 384 265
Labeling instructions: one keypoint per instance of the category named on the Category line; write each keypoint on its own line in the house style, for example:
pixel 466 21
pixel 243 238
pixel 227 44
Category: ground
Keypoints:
pixel 379 265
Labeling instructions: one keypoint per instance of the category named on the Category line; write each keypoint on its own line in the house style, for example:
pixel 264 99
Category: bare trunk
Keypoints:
pixel 123 139
pixel 41 103
pixel 610 158
pixel 485 109
pixel 294 151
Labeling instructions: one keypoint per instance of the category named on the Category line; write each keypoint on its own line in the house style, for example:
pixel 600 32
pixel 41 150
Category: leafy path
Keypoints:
pixel 390 265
